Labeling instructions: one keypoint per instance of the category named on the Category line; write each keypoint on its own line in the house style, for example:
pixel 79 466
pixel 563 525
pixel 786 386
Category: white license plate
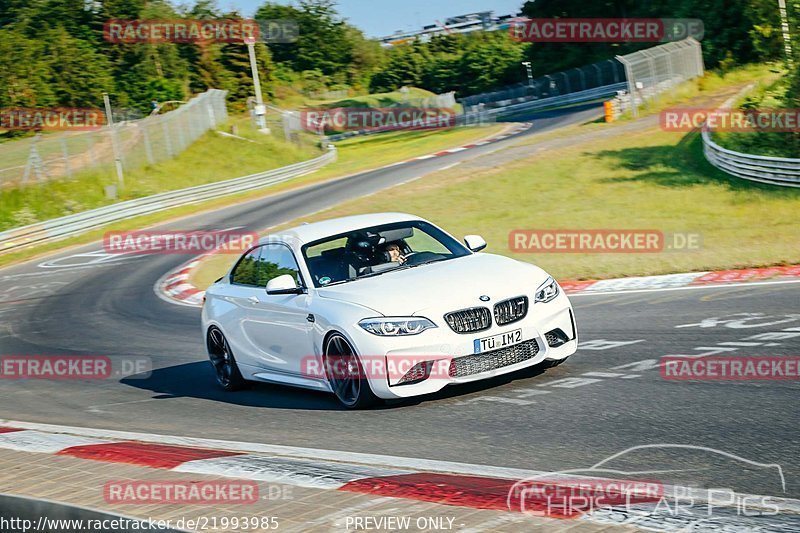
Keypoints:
pixel 495 342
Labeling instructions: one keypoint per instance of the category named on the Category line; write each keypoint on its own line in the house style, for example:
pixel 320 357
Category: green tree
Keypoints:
pixel 235 59
pixel 24 71
pixel 491 60
pixel 325 43
pixel 78 73
pixel 405 66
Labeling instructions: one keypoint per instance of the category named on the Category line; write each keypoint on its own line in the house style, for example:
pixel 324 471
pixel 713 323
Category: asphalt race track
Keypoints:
pixel 607 398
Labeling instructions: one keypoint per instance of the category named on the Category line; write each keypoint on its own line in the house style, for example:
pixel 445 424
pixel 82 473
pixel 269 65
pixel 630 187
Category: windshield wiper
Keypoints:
pixel 373 274
pixel 428 262
pixel 338 282
pixel 405 267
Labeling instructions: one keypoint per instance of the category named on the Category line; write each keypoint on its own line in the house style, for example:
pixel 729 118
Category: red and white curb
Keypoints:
pixel 684 280
pixel 175 286
pixel 441 482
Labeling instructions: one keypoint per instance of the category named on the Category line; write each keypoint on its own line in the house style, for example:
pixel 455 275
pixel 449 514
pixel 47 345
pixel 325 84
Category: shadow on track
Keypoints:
pixel 196 380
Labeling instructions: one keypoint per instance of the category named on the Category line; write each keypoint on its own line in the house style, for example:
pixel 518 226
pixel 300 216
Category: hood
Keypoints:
pixel 441 287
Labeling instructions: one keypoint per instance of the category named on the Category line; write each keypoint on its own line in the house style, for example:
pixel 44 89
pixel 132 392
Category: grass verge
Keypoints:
pixel 199 164
pixel 355 155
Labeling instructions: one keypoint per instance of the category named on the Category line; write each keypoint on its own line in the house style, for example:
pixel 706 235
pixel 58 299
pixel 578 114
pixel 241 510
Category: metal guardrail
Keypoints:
pixel 782 171
pixel 62 227
pixel 564 99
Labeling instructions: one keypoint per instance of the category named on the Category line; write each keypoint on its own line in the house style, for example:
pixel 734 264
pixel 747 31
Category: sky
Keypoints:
pixel 377 18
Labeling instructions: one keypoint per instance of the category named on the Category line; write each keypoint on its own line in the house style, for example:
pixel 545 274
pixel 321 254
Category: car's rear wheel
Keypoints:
pixel 345 374
pixel 223 362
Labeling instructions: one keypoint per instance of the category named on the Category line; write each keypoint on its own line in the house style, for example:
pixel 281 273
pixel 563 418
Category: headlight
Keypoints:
pixel 547 291
pixel 396 326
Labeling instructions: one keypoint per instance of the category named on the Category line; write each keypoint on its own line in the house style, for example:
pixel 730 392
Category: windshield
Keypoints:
pixel 377 250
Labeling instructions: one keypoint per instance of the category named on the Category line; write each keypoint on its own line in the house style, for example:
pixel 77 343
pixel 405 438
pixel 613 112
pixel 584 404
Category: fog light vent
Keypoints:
pixel 556 338
pixel 418 372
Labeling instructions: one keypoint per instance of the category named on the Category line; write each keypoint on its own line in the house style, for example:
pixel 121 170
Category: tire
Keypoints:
pixel 223 362
pixel 346 375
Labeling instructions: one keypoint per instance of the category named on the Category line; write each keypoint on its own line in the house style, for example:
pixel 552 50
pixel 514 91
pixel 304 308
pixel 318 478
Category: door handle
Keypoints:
pixel 253 300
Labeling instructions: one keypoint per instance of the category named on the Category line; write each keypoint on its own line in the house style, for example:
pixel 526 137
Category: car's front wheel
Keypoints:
pixel 346 374
pixel 221 356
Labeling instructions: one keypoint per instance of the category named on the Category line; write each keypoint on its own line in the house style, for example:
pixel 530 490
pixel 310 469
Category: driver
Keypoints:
pixel 393 250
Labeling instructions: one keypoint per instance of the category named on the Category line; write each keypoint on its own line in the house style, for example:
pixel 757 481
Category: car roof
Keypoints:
pixel 314 231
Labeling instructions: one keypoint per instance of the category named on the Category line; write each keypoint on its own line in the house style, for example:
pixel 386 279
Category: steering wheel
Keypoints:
pixel 416 258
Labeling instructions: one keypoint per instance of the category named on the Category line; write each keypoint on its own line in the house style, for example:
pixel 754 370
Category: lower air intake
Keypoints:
pixel 484 362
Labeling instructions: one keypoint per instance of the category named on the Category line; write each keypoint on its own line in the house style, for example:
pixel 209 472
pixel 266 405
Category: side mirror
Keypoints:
pixel 475 242
pixel 285 284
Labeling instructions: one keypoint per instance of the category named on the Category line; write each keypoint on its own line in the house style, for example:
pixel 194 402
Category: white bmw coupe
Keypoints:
pixel 381 306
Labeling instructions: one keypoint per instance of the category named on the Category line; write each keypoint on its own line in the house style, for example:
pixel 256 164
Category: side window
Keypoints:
pixel 246 270
pixel 277 260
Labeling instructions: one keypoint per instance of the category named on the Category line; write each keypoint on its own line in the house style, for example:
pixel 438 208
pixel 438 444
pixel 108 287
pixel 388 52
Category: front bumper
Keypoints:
pixel 441 346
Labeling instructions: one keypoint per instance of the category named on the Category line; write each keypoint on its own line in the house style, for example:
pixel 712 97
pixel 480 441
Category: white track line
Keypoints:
pixel 37 442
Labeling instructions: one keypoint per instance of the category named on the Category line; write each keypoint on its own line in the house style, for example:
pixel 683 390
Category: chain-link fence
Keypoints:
pixel 655 70
pixel 284 122
pixel 135 143
pixel 599 74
